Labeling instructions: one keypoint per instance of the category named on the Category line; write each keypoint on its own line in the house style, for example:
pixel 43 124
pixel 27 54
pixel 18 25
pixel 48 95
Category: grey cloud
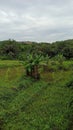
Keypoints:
pixel 36 20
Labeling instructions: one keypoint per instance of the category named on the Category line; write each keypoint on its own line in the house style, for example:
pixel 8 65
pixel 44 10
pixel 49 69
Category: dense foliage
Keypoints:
pixel 12 49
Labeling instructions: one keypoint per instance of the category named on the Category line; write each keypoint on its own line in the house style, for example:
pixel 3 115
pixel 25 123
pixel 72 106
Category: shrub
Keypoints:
pixel 70 83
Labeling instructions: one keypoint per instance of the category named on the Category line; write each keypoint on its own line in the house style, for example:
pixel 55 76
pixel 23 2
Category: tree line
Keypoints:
pixel 11 49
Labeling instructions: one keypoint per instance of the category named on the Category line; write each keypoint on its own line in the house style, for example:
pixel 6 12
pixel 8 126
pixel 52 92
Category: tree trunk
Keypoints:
pixel 27 72
pixel 35 73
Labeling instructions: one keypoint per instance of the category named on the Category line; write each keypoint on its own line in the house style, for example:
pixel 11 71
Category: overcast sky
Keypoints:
pixel 36 20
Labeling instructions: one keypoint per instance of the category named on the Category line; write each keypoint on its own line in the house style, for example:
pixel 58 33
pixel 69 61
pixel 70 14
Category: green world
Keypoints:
pixel 36 85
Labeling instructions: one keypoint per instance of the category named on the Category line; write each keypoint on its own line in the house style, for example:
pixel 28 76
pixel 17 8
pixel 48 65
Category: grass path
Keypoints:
pixel 40 106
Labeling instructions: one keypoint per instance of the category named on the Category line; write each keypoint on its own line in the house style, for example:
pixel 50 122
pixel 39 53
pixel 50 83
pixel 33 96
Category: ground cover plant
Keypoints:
pixel 26 104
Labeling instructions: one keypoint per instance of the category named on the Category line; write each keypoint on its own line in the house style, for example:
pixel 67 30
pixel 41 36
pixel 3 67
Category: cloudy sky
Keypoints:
pixel 36 20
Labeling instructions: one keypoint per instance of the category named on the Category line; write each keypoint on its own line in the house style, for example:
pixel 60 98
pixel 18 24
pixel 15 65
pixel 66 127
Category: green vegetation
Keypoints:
pixel 32 64
pixel 9 63
pixel 27 104
pixel 14 50
pixel 30 104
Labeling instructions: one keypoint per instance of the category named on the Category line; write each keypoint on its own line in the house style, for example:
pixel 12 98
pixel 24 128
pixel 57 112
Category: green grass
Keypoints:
pixel 10 72
pixel 26 104
pixel 9 63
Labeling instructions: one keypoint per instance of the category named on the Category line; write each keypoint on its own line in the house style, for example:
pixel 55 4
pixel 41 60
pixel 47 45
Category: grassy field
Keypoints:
pixel 26 104
pixel 9 63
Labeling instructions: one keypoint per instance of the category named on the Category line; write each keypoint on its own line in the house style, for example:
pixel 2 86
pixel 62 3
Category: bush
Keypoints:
pixel 70 83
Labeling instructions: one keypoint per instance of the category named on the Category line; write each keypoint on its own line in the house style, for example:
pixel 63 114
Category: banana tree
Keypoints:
pixel 31 65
